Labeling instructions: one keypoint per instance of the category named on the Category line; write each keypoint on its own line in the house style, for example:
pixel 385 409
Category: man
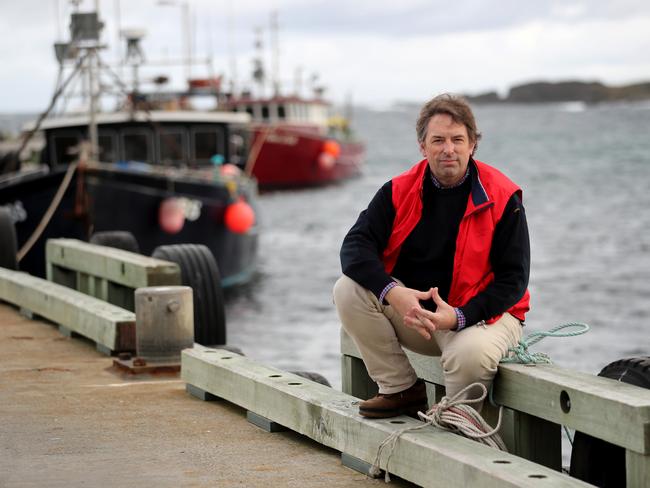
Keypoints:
pixel 437 263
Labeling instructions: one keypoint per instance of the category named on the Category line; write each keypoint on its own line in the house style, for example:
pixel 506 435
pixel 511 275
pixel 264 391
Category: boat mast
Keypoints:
pixel 259 76
pixel 275 54
pixel 85 29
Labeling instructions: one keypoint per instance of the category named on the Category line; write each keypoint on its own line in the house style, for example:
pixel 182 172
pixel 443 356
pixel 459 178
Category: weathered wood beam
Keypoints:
pixel 430 457
pixel 610 410
pixel 107 325
pixel 115 265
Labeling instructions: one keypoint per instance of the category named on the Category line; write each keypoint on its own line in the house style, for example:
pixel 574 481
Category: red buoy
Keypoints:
pixel 332 147
pixel 239 217
pixel 171 215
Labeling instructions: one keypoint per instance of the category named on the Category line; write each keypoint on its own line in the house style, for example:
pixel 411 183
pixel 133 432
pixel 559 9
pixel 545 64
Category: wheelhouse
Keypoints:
pixel 161 138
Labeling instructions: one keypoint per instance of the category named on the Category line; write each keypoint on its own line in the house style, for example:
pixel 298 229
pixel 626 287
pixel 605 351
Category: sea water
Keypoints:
pixel 585 175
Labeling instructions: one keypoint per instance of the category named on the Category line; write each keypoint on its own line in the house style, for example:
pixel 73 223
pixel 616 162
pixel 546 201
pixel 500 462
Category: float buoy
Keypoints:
pixel 332 147
pixel 239 217
pixel 171 215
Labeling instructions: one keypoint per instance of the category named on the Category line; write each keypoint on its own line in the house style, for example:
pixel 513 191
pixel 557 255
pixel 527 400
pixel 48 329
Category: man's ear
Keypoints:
pixel 422 151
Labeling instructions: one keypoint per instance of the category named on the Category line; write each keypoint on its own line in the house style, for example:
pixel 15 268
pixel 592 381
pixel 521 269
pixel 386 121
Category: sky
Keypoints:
pixel 368 52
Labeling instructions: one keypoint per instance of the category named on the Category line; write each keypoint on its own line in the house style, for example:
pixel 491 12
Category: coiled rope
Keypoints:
pixel 520 353
pixel 455 415
pixel 451 414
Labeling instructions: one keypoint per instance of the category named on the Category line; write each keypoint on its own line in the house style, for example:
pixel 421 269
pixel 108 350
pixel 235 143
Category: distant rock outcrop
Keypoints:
pixel 567 91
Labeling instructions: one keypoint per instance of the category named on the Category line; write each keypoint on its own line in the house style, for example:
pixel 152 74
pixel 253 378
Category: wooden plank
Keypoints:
pixel 536 439
pixel 637 469
pixel 355 379
pixel 429 457
pixel 115 265
pixel 103 323
pixel 610 410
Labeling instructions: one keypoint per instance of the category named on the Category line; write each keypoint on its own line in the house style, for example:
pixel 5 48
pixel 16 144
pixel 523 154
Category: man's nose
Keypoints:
pixel 448 147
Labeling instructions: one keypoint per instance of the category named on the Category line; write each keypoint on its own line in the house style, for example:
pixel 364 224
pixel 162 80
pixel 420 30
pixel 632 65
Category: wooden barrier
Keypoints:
pixel 110 327
pixel 106 273
pixel 542 397
pixel 428 457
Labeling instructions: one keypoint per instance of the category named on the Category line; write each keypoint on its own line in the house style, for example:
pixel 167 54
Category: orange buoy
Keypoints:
pixel 171 215
pixel 239 217
pixel 228 169
pixel 332 147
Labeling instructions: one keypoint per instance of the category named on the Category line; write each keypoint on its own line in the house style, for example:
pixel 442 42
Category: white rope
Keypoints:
pixel 54 204
pixel 454 415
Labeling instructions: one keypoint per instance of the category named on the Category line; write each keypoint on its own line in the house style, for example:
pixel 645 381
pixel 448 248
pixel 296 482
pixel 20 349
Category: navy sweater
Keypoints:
pixel 427 255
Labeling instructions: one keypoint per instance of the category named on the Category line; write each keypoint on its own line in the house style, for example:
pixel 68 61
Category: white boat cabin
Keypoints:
pixel 287 110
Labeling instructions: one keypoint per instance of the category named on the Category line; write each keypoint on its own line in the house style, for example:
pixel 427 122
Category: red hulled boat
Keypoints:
pixel 296 143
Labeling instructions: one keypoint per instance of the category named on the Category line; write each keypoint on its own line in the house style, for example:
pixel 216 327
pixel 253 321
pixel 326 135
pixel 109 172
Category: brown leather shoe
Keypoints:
pixel 406 402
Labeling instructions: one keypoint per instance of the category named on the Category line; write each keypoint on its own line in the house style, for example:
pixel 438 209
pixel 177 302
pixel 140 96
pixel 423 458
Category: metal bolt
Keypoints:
pixel 173 306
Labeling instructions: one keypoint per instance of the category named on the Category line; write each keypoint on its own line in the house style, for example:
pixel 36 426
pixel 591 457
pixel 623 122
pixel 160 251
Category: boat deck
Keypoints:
pixel 68 419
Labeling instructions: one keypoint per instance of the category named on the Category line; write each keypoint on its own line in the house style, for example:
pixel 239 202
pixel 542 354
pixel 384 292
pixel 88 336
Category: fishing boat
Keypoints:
pixel 163 176
pixel 297 140
pixel 296 143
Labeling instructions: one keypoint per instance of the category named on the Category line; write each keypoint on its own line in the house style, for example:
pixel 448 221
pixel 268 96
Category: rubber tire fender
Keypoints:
pixel 8 241
pixel 594 460
pixel 200 272
pixel 119 239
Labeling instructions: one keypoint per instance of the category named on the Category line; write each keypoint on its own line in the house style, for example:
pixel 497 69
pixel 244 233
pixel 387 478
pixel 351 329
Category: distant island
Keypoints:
pixel 566 91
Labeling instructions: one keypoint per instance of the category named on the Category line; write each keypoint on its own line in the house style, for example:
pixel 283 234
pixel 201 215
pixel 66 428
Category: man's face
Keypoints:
pixel 447 148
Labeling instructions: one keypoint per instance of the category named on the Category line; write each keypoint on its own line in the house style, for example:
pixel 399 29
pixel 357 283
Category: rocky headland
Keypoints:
pixel 567 91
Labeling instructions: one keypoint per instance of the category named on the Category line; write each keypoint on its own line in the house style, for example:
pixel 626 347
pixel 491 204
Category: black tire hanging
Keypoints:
pixel 119 239
pixel 8 242
pixel 200 272
pixel 594 460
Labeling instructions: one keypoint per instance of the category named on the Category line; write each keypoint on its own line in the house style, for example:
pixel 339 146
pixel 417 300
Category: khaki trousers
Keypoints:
pixel 469 356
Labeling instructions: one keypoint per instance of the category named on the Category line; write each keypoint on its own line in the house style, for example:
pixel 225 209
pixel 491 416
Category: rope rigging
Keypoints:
pixel 520 353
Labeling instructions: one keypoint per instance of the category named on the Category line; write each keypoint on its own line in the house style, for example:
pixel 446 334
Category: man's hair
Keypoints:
pixel 454 106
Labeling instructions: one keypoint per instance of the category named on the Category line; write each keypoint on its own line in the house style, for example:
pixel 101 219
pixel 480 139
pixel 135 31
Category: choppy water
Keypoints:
pixel 585 176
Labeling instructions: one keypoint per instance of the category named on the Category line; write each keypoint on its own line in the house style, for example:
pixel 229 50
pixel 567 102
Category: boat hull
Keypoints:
pixel 112 199
pixel 292 158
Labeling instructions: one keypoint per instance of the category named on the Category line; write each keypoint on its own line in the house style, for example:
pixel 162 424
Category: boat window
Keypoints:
pixel 64 146
pixel 107 148
pixel 265 112
pixel 281 112
pixel 137 146
pixel 249 110
pixel 207 142
pixel 171 144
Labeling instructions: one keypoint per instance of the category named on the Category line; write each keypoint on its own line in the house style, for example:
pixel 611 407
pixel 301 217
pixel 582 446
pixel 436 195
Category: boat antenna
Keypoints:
pixel 85 29
pixel 187 38
pixel 259 76
pixel 230 19
pixel 275 53
pixel 118 31
pixel 134 55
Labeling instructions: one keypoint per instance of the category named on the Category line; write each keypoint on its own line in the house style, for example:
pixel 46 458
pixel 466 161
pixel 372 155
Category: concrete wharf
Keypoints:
pixel 68 419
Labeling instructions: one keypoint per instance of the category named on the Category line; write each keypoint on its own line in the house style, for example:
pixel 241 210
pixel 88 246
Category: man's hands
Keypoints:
pixel 406 302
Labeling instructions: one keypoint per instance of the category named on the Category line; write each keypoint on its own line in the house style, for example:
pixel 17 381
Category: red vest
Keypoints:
pixel 472 269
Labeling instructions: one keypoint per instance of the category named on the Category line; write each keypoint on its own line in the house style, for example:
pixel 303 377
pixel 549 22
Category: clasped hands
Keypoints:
pixel 406 302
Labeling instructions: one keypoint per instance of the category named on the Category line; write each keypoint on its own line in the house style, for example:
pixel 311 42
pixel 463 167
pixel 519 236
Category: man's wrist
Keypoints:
pixel 387 288
pixel 461 322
